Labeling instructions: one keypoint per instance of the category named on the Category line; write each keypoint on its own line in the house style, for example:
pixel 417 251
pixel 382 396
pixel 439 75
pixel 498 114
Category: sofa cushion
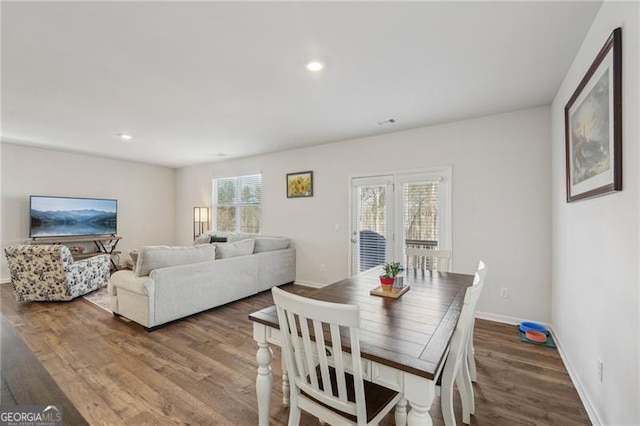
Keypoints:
pixel 238 248
pixel 232 238
pixel 134 259
pixel 202 239
pixel 154 257
pixel 210 238
pixel 228 237
pixel 270 244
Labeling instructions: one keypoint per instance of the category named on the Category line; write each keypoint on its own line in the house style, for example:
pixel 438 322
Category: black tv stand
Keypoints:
pixel 104 244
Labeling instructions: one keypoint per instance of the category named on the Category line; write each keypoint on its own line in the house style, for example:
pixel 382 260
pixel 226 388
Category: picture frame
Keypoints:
pixel 300 184
pixel 593 126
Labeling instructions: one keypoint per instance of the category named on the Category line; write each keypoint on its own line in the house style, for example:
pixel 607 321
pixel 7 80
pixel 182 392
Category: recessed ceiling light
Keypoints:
pixel 125 136
pixel 315 66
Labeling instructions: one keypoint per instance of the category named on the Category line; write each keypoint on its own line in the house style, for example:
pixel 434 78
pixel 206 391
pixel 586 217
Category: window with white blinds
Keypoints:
pixel 237 204
pixel 421 213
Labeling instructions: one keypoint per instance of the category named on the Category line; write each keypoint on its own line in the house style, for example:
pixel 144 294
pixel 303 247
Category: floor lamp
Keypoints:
pixel 200 220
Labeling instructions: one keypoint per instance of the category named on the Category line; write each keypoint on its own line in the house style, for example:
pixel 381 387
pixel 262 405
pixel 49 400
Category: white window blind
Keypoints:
pixel 238 204
pixel 421 216
pixel 421 212
pixel 372 226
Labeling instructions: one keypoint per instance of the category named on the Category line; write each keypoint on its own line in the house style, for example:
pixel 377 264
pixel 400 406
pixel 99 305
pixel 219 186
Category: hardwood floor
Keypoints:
pixel 202 370
pixel 25 379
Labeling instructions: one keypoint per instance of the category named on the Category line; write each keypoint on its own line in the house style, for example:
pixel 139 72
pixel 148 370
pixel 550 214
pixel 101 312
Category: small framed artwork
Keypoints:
pixel 593 126
pixel 300 184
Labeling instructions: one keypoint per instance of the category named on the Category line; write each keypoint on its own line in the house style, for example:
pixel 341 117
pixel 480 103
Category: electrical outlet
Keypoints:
pixel 600 369
pixel 504 292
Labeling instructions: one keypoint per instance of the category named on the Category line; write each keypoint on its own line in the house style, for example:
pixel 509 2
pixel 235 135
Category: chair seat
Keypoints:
pixel 377 397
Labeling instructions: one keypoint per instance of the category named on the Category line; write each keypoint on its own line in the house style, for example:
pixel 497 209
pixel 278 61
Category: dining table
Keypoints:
pixel 403 341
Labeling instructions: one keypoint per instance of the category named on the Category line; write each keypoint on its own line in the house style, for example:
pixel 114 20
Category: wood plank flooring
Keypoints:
pixel 25 379
pixel 202 370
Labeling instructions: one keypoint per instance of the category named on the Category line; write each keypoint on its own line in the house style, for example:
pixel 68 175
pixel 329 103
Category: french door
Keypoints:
pixel 371 222
pixel 392 212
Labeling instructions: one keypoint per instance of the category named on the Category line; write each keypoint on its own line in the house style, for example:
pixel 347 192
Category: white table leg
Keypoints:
pixel 420 393
pixel 285 381
pixel 401 412
pixel 419 415
pixel 264 381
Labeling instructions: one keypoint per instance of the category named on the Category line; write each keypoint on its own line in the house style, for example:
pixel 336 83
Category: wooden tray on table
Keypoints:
pixel 394 293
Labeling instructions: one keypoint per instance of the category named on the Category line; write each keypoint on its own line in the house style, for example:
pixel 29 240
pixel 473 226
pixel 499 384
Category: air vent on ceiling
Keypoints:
pixel 386 122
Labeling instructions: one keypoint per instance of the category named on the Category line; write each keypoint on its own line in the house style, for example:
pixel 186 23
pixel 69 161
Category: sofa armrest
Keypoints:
pixel 127 280
pixel 276 267
pixel 133 297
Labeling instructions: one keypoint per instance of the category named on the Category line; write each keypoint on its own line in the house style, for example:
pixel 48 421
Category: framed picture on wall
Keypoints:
pixel 300 184
pixel 593 126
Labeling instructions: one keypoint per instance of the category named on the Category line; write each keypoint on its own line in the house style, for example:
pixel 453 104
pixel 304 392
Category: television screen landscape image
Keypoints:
pixel 66 217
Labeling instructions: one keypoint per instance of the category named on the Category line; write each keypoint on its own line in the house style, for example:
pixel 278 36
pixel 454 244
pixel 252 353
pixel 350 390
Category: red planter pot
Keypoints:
pixel 386 283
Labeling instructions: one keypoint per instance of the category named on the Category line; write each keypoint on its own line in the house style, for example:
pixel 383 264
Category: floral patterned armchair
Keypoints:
pixel 48 272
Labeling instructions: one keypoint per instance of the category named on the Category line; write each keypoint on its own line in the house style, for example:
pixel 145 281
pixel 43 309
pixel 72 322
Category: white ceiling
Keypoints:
pixel 190 80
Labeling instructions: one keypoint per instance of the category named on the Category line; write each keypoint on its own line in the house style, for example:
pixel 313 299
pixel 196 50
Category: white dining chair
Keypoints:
pixel 428 259
pixel 471 361
pixel 456 369
pixel 323 381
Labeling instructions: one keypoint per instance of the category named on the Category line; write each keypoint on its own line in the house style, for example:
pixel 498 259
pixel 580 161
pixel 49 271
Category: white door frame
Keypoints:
pixel 443 174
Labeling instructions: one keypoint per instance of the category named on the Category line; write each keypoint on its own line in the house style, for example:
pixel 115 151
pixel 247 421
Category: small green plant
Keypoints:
pixel 392 269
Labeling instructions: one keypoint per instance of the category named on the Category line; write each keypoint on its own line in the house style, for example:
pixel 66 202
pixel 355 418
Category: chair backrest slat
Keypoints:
pixel 338 362
pixel 322 354
pixel 308 353
pixel 428 259
pixel 297 352
pixel 357 373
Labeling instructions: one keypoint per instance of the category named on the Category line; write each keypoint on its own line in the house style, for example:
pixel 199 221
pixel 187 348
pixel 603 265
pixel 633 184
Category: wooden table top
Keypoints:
pixel 410 333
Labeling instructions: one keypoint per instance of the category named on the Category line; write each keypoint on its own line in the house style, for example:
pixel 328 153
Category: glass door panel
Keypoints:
pixel 372 230
pixel 421 216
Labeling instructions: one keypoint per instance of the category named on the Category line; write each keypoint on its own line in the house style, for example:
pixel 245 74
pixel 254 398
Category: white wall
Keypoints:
pixel 595 245
pixel 145 194
pixel 501 200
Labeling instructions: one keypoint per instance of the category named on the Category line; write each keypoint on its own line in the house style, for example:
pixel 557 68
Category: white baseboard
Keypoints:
pixel 498 318
pixel 5 280
pixel 309 284
pixel 575 378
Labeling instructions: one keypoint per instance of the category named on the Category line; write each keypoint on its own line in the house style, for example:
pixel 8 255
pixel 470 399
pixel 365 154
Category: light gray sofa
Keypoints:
pixel 170 283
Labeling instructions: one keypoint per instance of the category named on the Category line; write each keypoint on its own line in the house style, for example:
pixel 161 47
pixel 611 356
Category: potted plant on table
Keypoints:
pixel 390 274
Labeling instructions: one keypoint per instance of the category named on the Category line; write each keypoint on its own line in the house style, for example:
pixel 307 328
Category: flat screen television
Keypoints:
pixel 72 217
